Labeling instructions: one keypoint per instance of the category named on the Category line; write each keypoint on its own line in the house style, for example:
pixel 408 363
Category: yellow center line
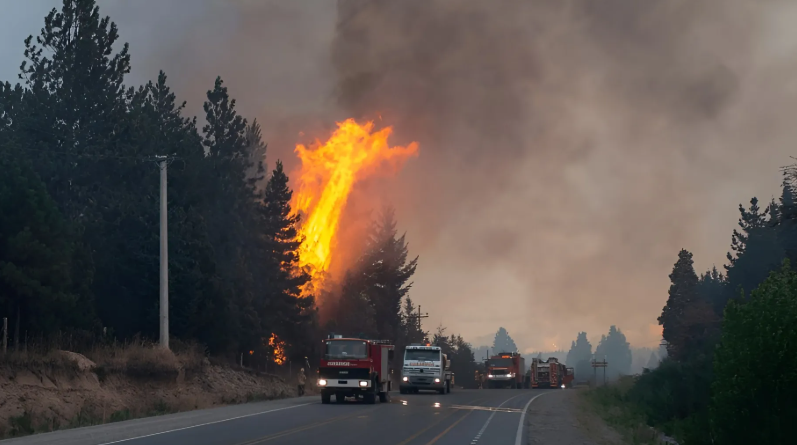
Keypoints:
pixel 434 424
pixel 445 431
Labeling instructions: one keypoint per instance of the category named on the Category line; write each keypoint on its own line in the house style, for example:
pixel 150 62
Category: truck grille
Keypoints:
pixel 337 373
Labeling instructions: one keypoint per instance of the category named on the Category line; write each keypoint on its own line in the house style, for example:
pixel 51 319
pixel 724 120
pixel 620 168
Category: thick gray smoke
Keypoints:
pixel 569 149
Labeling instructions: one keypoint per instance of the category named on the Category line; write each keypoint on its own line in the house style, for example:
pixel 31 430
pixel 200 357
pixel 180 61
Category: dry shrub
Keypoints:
pixel 36 360
pixel 135 359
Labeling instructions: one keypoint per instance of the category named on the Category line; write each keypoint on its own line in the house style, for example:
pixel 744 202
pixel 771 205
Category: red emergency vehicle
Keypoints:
pixel 355 367
pixel 550 373
pixel 506 370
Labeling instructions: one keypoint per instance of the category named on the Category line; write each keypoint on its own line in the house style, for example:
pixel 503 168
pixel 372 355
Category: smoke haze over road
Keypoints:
pixel 568 150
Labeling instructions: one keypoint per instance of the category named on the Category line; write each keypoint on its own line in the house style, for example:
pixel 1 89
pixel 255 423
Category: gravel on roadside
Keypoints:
pixel 561 418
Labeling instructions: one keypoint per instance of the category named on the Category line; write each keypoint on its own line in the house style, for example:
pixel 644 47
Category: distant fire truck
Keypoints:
pixel 506 370
pixel 550 373
pixel 354 367
pixel 426 368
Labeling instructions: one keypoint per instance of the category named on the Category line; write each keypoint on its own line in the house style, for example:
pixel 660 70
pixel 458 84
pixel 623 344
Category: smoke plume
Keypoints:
pixel 568 149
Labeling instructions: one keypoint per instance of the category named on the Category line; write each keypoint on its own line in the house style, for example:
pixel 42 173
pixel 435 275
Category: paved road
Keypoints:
pixel 489 417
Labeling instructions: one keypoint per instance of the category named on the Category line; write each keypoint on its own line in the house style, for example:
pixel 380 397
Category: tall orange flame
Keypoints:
pixel 328 174
pixel 279 349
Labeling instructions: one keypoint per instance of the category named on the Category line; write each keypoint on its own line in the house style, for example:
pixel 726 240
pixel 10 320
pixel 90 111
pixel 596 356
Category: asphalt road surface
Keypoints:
pixel 489 417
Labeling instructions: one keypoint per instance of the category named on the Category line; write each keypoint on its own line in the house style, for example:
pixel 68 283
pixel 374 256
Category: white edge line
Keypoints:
pixel 519 435
pixel 205 424
pixel 484 428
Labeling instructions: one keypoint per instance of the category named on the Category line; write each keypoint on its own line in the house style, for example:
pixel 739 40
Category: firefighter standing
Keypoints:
pixel 301 379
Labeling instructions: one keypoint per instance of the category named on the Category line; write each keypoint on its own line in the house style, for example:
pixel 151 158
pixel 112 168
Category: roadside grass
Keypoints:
pixel 611 403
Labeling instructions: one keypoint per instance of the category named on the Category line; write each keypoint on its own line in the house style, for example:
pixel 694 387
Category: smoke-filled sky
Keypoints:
pixel 568 149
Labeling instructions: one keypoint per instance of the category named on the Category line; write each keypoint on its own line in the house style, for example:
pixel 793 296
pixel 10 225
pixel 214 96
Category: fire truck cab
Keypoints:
pixel 506 370
pixel 426 367
pixel 355 367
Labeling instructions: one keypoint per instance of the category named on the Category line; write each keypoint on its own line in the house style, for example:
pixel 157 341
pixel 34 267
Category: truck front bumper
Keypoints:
pixel 344 384
pixel 422 382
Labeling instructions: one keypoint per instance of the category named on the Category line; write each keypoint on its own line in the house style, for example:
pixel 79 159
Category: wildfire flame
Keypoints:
pixel 328 173
pixel 279 348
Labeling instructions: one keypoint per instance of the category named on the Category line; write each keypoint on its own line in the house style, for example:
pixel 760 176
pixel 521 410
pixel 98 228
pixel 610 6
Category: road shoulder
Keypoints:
pixel 562 418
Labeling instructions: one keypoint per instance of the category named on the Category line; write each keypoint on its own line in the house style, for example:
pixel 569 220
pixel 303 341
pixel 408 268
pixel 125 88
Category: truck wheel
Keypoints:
pixel 340 398
pixel 384 397
pixel 450 387
pixel 325 397
pixel 402 391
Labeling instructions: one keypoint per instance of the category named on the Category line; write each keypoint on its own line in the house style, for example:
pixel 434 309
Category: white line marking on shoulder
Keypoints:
pixel 205 424
pixel 519 435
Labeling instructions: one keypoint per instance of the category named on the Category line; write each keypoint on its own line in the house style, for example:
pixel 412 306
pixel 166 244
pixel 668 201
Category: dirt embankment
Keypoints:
pixel 64 389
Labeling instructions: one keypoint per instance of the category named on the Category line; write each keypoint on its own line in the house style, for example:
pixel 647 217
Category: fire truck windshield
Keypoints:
pixel 422 355
pixel 346 349
pixel 499 362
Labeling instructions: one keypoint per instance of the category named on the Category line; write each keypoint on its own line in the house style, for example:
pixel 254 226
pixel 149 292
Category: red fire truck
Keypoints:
pixel 550 373
pixel 355 367
pixel 506 370
pixel 570 374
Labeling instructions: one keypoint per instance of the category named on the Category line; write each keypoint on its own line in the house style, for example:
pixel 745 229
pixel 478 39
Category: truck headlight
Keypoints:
pixel 363 383
pixel 322 382
pixel 405 379
pixel 437 380
pixel 489 376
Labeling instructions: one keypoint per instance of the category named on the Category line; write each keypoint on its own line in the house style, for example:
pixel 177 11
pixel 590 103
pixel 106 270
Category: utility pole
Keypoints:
pixel 421 316
pixel 163 162
pixel 5 334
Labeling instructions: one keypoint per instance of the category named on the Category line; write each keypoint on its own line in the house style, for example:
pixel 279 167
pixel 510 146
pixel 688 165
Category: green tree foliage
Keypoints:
pixel 372 295
pixel 37 251
pixel 688 320
pixel 677 395
pixel 755 368
pixel 460 352
pixel 617 352
pixel 234 277
pixel 713 289
pixel 579 356
pixel 756 247
pixel 503 342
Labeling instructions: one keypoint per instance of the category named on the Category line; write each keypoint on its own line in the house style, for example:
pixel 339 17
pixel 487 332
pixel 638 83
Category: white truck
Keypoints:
pixel 425 368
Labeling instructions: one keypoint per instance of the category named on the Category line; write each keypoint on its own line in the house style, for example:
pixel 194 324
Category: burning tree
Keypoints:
pixel 329 172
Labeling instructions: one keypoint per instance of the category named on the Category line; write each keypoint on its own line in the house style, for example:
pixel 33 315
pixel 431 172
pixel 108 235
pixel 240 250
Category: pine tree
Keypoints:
pixel 256 149
pixel 282 307
pixel 756 247
pixel 689 323
pixel 503 342
pixel 682 293
pixel 580 351
pixel 36 255
pixel 387 272
pixel 617 352
pixel 712 288
pixel 75 103
pixel 787 227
